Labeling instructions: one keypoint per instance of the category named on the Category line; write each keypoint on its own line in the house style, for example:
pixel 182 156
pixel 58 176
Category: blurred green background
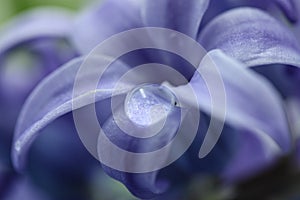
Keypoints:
pixel 9 8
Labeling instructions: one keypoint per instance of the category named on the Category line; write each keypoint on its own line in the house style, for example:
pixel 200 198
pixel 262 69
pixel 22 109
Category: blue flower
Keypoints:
pixel 256 131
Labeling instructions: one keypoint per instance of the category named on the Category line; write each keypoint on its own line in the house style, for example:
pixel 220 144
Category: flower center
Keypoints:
pixel 149 104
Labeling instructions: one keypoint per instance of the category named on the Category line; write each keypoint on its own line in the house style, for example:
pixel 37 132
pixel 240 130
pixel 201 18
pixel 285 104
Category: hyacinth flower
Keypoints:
pixel 32 45
pixel 256 130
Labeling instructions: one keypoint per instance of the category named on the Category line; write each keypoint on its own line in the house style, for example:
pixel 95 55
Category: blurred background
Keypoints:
pixel 9 8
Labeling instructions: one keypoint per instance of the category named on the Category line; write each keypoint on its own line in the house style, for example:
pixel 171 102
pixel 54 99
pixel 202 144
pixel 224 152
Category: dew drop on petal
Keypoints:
pixel 149 104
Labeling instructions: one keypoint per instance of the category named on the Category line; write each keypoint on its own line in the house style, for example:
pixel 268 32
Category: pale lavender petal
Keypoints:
pixel 52 98
pixel 253 106
pixel 180 15
pixel 99 22
pixel 286 6
pixel 251 36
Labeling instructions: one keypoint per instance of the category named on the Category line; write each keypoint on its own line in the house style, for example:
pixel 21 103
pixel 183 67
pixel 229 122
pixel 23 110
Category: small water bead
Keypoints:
pixel 149 104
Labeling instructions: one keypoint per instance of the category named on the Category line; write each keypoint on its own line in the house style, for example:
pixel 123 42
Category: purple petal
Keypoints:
pixel 52 98
pixel 252 107
pixel 254 152
pixel 180 15
pixel 102 21
pixel 142 185
pixel 251 36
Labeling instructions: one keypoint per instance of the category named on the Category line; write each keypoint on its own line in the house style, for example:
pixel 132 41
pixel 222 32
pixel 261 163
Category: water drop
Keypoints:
pixel 149 104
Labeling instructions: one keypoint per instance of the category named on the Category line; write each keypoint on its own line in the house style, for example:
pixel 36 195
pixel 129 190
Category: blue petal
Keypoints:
pixel 251 36
pixel 46 103
pixel 54 157
pixel 180 15
pixel 102 21
pixel 215 162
